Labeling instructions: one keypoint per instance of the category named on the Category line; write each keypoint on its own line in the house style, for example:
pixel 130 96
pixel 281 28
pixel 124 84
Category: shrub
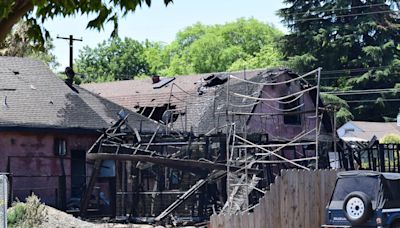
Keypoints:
pixel 390 139
pixel 29 214
pixel 15 214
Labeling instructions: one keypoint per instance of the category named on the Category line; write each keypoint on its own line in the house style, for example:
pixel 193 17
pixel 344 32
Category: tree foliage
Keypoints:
pixel 37 11
pixel 245 43
pixel 111 60
pixel 390 139
pixel 360 35
pixel 18 43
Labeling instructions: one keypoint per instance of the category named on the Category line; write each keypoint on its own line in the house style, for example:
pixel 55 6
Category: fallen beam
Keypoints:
pixel 200 183
pixel 89 189
pixel 169 162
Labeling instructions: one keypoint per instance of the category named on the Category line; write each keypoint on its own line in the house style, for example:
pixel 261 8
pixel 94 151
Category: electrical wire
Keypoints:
pixel 361 101
pixel 354 70
pixel 362 92
pixel 336 9
pixel 347 15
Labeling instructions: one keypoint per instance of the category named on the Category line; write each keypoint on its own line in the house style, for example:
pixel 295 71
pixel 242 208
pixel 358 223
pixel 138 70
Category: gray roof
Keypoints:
pixel 34 97
pixel 210 108
pixel 369 130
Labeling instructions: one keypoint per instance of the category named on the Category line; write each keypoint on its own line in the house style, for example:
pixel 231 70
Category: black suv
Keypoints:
pixel 365 199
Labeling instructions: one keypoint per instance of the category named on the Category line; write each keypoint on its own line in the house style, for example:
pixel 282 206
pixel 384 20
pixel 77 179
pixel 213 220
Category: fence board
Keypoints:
pixel 276 207
pixel 300 200
pixel 296 199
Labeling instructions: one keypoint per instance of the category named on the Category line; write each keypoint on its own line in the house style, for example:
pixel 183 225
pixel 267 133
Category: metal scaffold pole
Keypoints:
pixel 245 153
pixel 317 119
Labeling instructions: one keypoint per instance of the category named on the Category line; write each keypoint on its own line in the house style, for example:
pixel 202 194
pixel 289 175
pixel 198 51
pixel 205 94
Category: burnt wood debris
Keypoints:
pixel 186 171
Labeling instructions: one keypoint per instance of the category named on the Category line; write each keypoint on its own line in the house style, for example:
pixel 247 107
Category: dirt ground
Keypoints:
pixel 60 219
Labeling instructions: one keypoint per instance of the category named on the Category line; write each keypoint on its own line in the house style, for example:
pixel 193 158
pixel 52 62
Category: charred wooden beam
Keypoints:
pixel 89 189
pixel 200 183
pixel 185 164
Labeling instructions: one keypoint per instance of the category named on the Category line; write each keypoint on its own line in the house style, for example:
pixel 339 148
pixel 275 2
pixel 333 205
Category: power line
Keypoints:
pixel 362 92
pixel 338 9
pixel 360 101
pixel 349 76
pixel 354 70
pixel 347 15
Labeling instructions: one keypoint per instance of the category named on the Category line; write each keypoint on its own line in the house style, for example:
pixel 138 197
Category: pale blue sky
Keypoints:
pixel 160 23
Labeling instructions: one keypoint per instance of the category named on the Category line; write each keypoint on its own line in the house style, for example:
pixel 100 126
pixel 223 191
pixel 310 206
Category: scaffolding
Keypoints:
pixel 244 152
pixel 227 148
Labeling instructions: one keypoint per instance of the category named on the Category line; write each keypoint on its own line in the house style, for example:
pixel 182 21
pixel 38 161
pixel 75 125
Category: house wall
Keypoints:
pixel 35 168
pixel 274 125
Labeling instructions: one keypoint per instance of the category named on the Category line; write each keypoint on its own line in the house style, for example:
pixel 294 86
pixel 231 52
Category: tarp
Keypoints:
pixel 354 173
pixel 382 188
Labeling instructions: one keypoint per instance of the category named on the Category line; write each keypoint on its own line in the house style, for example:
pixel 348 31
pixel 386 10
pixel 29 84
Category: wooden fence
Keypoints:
pixel 297 199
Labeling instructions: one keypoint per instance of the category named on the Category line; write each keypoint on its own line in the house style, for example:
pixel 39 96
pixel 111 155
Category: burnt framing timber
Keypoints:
pixel 120 143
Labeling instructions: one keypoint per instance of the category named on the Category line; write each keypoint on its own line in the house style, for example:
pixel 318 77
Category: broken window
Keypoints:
pixel 292 115
pixel 60 147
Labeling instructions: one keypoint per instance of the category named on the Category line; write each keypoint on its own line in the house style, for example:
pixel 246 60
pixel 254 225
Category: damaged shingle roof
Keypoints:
pixel 199 109
pixel 34 97
pixel 208 112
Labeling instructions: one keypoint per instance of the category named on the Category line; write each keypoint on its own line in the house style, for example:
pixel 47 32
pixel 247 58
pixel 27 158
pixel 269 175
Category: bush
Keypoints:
pixel 15 214
pixel 390 139
pixel 29 214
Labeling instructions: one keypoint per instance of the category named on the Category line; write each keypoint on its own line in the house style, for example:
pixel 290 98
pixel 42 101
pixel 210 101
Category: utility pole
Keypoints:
pixel 71 47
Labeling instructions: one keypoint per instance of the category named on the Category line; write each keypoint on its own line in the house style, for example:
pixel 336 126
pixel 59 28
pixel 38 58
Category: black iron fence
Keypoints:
pixel 378 157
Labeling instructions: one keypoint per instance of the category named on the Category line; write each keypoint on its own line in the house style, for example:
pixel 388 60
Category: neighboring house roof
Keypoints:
pixel 365 131
pixel 34 97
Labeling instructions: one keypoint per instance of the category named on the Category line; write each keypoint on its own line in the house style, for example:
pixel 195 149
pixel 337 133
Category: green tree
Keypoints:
pixel 111 60
pixel 244 43
pixel 155 56
pixel 18 43
pixel 362 35
pixel 37 11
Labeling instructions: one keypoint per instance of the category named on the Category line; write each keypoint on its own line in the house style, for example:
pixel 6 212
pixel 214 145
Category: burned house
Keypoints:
pixel 198 103
pixel 46 127
pixel 222 131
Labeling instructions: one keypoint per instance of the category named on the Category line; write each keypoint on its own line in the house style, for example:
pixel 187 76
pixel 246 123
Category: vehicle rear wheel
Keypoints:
pixel 357 207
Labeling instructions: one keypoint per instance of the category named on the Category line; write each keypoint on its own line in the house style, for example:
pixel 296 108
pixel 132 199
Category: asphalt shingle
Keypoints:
pixel 34 97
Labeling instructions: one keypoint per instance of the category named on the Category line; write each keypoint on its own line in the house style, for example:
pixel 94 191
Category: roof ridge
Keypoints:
pixel 179 76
